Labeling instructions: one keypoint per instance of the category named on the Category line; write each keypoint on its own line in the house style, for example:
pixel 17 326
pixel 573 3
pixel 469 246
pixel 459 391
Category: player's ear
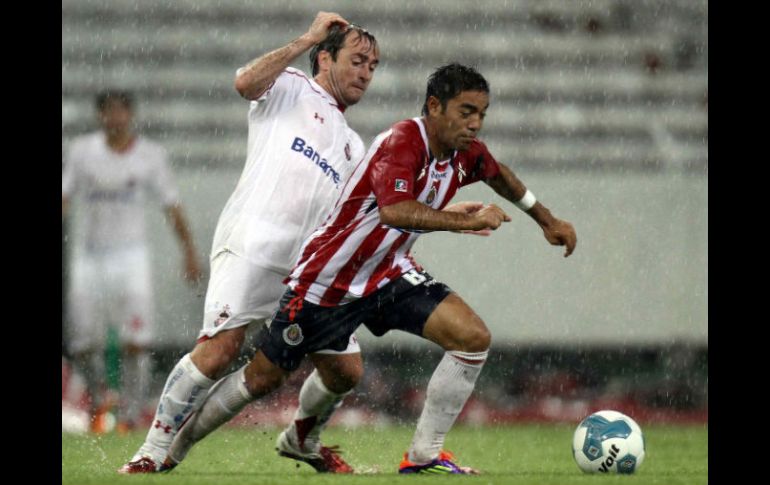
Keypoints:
pixel 324 61
pixel 434 106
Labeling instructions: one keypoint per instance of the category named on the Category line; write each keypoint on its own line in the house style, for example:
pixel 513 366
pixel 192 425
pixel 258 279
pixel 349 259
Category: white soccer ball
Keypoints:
pixel 608 442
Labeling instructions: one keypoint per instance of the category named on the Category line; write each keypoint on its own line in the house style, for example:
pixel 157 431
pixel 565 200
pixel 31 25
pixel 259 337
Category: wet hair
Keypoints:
pixel 448 81
pixel 335 40
pixel 126 98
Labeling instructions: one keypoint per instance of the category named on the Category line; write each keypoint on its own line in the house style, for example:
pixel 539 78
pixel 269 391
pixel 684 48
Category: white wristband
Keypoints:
pixel 526 202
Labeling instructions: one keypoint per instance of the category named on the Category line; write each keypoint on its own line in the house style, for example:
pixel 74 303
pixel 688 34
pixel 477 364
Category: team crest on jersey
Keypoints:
pixel 292 334
pixel 400 185
pixel 347 151
pixel 431 195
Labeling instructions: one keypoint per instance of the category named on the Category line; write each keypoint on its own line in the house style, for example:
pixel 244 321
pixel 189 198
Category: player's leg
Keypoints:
pixel 225 400
pixel 131 274
pixel 86 333
pixel 465 338
pixel 418 304
pixel 295 331
pixel 322 393
pixel 229 300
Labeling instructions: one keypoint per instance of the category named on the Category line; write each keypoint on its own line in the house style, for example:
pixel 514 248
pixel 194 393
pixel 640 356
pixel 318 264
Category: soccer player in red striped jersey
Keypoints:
pixel 357 267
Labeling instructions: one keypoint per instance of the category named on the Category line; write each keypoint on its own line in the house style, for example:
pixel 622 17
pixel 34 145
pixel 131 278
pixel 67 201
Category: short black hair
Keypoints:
pixel 126 98
pixel 448 81
pixel 334 41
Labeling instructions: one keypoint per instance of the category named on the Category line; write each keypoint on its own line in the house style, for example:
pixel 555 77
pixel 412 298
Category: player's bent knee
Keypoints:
pixel 476 339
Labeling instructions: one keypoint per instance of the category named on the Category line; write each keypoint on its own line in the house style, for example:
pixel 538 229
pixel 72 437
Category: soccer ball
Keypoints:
pixel 608 442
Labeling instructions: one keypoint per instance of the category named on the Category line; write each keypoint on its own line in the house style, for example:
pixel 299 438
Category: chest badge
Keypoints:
pixel 431 196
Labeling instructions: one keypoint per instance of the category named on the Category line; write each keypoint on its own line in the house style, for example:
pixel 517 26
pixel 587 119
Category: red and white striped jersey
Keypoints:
pixel 353 254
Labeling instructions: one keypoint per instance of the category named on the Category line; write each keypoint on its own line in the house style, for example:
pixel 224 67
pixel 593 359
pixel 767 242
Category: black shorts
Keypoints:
pixel 299 327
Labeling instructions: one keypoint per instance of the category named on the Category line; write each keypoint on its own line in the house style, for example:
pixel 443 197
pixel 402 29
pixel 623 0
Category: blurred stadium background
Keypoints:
pixel 600 106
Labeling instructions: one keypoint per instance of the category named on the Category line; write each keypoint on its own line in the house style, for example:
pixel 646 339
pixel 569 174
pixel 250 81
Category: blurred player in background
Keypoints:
pixel 356 267
pixel 114 171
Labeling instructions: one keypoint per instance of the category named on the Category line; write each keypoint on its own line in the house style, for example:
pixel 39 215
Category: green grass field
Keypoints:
pixel 522 454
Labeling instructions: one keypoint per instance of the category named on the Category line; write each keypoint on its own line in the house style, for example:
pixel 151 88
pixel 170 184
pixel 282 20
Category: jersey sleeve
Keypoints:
pixel 162 182
pixel 396 165
pixel 483 165
pixel 282 93
pixel 69 175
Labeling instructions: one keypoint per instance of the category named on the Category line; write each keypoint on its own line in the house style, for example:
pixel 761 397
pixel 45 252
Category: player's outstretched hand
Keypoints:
pixel 561 233
pixel 468 207
pixel 489 217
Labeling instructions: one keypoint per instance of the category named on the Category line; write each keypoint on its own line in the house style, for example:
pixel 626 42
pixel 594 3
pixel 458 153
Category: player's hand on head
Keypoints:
pixel 323 22
pixel 561 233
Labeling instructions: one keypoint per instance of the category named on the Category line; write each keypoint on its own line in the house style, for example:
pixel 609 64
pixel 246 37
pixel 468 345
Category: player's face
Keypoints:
pixel 462 119
pixel 354 69
pixel 115 117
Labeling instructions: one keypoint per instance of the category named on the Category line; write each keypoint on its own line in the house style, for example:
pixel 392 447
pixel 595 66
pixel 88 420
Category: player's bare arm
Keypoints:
pixel 192 271
pixel 255 77
pixel 468 207
pixel 411 214
pixel 556 231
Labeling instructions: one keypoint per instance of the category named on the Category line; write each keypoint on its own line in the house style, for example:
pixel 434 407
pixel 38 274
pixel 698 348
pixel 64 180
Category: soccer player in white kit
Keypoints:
pixel 300 151
pixel 114 171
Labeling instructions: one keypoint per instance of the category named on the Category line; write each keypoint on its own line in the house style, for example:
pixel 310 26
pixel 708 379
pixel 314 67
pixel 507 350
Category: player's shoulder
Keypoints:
pixel 406 132
pixel 151 150
pixel 293 71
pixel 86 139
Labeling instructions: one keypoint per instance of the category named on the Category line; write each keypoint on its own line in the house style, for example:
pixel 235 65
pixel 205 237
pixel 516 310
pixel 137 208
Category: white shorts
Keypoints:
pixel 241 292
pixel 110 289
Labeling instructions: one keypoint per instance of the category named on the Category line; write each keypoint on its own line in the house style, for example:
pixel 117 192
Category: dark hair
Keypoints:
pixel 448 81
pixel 126 98
pixel 334 41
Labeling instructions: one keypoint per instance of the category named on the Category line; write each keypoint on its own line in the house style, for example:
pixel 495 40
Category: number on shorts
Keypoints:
pixel 414 277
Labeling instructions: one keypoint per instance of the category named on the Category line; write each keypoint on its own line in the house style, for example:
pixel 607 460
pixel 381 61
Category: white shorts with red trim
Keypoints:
pixel 241 292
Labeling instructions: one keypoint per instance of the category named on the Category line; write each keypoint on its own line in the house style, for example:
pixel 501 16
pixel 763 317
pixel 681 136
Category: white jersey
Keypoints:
pixel 114 188
pixel 300 152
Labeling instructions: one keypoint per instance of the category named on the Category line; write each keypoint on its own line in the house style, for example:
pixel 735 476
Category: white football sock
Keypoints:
pixel 448 390
pixel 225 400
pixel 185 389
pixel 316 406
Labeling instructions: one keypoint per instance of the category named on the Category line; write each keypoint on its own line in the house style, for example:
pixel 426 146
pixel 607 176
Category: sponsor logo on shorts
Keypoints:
pixel 223 315
pixel 292 334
